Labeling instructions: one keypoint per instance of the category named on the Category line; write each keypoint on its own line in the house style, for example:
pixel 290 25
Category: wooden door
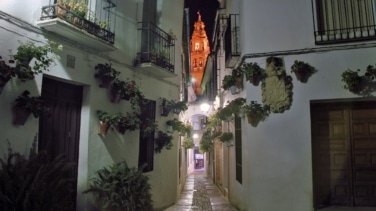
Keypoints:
pixel 343 146
pixel 59 129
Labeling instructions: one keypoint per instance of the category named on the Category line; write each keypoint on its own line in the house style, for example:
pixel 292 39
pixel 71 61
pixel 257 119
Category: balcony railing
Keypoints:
pixel 157 47
pixel 61 12
pixel 232 40
pixel 339 21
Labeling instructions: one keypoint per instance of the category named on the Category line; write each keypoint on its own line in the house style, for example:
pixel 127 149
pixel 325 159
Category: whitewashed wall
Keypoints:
pixel 277 165
pixel 95 151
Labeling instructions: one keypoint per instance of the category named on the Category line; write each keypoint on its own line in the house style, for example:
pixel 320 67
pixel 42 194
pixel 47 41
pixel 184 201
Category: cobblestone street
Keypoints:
pixel 200 194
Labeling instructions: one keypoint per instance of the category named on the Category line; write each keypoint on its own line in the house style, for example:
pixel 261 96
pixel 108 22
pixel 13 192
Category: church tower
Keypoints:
pixel 199 52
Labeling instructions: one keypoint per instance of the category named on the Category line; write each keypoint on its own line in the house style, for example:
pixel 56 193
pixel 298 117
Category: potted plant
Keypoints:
pixel 228 83
pixel 253 72
pixel 214 122
pixel 25 105
pixel 186 129
pixel 302 71
pixel 172 105
pixel 120 187
pixel 255 112
pixel 353 81
pixel 106 74
pixel 174 125
pixel 225 114
pixel 129 121
pixel 149 127
pixel 235 106
pixel 163 141
pixel 188 142
pixel 105 120
pixel 238 74
pixel 117 90
pixel 36 182
pixel 27 51
pixel 6 73
pixel 206 142
pixel 226 137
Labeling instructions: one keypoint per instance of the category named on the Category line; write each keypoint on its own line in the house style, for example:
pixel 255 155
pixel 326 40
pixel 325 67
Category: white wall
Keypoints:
pixel 277 165
pixel 95 151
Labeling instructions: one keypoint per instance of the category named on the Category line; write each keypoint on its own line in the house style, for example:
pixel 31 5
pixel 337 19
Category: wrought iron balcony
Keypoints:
pixel 60 20
pixel 157 51
pixel 339 21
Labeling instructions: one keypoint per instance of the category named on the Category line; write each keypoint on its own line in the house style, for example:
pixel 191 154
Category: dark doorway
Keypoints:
pixel 59 129
pixel 344 154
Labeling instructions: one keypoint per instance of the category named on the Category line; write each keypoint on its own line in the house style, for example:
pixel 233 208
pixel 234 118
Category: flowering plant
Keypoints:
pixel 256 110
pixel 163 141
pixel 77 6
pixel 129 121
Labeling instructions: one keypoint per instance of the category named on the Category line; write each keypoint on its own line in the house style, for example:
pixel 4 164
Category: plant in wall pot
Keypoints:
pixel 188 142
pixel 225 114
pixel 238 74
pixel 149 127
pixel 6 72
pixel 163 141
pixel 226 137
pixel 228 83
pixel 174 125
pixel 186 129
pixel 44 57
pixel 117 90
pixel 360 84
pixel 235 106
pixel 253 72
pixel 119 187
pixel 105 120
pixel 132 90
pixel 25 105
pixel 302 71
pixel 106 74
pixel 129 121
pixel 255 112
pixel 206 142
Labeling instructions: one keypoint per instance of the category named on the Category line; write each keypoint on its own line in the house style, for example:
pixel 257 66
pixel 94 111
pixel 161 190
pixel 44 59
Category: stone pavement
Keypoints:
pixel 200 194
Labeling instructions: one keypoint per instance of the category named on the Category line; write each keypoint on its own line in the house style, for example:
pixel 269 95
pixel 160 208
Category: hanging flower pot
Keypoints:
pixel 103 128
pixel 106 81
pixel 20 115
pixel 239 82
pixel 252 120
pixel 116 97
pixel 233 90
pixel 302 71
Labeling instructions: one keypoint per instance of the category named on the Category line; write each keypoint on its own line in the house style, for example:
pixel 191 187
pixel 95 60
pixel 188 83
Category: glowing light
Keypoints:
pixel 205 107
pixel 195 135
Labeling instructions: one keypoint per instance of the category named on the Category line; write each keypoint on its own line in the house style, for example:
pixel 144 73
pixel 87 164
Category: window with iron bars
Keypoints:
pixel 339 21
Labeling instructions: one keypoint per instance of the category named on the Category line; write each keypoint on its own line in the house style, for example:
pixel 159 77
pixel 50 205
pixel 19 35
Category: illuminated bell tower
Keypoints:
pixel 199 52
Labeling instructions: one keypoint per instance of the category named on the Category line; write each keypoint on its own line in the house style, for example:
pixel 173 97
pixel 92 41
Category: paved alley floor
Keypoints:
pixel 200 194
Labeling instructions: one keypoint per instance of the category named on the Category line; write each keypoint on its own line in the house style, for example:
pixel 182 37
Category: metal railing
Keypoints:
pixel 337 21
pixel 59 11
pixel 157 46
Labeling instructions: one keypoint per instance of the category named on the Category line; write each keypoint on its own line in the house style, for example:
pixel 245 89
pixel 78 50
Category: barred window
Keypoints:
pixel 344 20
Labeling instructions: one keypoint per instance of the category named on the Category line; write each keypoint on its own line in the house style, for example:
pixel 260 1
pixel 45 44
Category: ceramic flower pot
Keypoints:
pixel 20 115
pixel 103 128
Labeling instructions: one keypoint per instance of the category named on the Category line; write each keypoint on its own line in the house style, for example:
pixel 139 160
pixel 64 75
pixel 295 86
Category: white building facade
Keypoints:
pixel 122 45
pixel 317 147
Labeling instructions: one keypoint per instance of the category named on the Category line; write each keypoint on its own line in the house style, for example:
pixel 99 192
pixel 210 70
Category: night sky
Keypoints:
pixel 208 10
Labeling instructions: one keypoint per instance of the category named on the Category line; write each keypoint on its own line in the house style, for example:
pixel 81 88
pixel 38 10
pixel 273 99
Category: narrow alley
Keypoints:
pixel 201 194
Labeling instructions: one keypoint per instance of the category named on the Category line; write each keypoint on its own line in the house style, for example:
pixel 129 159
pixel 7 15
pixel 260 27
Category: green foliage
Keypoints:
pixel 251 69
pixel 213 121
pixel 206 142
pixel 228 81
pixel 130 121
pixel 224 114
pixel 122 187
pixel 163 141
pixel 36 183
pixel 173 105
pixel 105 116
pixel 186 129
pixel 360 84
pixel 27 51
pixel 35 105
pixel 6 72
pixel 226 137
pixel 105 70
pixel 176 124
pixel 188 142
pixel 235 105
pixel 278 62
pixel 256 110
